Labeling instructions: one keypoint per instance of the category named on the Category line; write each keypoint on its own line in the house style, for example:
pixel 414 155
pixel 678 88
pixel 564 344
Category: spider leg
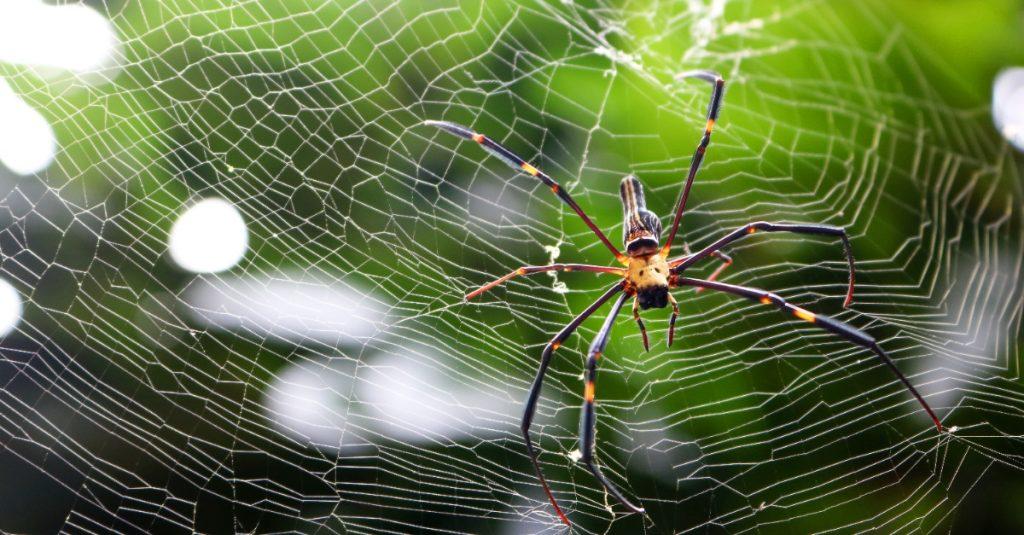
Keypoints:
pixel 698 156
pixel 833 326
pixel 726 262
pixel 520 164
pixel 640 323
pixel 672 319
pixel 531 400
pixel 529 270
pixel 588 419
pixel 680 265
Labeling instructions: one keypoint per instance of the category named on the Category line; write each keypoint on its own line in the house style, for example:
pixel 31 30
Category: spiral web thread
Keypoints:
pixel 335 381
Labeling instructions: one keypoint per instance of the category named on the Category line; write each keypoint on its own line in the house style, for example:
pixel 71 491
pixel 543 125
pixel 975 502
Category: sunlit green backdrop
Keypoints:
pixel 871 115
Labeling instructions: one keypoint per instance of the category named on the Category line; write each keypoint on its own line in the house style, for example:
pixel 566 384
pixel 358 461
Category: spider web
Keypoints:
pixel 335 381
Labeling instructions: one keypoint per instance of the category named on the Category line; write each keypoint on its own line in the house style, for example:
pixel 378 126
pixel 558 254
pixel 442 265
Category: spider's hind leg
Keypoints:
pixel 588 419
pixel 531 399
pixel 836 327
pixel 726 262
pixel 750 228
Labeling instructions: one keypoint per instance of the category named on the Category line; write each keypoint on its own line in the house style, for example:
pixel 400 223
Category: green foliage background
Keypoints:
pixel 872 115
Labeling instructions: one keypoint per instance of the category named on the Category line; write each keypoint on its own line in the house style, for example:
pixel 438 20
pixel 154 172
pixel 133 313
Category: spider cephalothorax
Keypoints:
pixel 648 276
pixel 647 279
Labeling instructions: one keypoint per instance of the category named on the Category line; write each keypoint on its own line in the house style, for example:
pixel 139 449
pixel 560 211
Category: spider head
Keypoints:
pixel 652 297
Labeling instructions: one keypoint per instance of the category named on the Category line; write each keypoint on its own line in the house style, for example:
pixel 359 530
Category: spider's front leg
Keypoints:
pixel 518 163
pixel 640 323
pixel 671 321
pixel 718 90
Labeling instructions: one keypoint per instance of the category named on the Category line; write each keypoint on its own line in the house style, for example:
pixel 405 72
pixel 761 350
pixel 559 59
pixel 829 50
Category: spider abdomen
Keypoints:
pixel 641 228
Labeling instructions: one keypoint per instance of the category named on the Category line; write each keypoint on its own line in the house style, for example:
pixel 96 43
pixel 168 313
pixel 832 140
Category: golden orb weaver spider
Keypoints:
pixel 647 277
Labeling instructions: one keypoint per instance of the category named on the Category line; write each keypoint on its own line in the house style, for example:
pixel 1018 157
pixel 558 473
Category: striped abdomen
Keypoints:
pixel 641 229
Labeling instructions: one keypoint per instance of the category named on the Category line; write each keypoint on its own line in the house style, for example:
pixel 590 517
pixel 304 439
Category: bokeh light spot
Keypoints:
pixel 73 37
pixel 209 237
pixel 27 142
pixel 1008 105
pixel 10 308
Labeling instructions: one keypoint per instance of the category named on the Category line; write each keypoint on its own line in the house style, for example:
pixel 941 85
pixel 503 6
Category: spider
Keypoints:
pixel 648 275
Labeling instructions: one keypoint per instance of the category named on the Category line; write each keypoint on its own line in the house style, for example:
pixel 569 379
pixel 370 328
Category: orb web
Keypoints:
pixel 334 380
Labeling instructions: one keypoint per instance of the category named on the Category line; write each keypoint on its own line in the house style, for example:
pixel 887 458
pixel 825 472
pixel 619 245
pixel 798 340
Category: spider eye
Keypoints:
pixel 641 272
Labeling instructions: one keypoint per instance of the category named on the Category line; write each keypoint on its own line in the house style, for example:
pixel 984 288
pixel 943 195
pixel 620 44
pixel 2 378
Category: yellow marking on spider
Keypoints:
pixel 597 356
pixel 588 392
pixel 711 124
pixel 804 314
pixel 751 230
pixel 766 301
pixel 530 169
pixel 555 345
pixel 479 138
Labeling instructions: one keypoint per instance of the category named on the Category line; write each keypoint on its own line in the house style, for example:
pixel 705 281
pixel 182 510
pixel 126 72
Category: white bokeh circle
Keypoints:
pixel 210 236
pixel 73 37
pixel 1008 105
pixel 10 308
pixel 27 142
